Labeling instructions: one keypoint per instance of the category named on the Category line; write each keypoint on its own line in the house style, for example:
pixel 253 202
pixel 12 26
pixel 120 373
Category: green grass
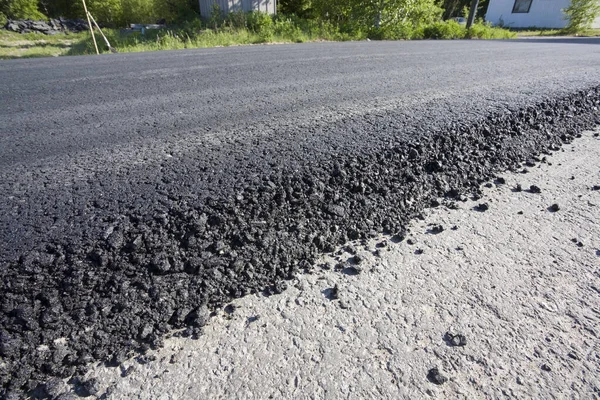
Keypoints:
pixel 443 30
pixel 236 30
pixel 29 45
pixel 172 40
pixel 555 32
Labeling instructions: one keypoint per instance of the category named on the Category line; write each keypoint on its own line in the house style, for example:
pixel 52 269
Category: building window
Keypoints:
pixel 521 6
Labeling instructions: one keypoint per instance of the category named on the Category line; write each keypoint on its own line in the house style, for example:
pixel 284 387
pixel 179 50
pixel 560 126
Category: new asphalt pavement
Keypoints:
pixel 140 191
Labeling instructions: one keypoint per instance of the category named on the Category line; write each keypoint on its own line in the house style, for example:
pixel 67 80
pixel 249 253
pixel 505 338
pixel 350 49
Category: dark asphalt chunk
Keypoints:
pixel 357 259
pixel 435 376
pixel 351 270
pixel 577 242
pixel 546 367
pixel 435 229
pixel 554 208
pixel 482 207
pixel 455 339
pixel 534 189
pixel 332 293
pixel 131 209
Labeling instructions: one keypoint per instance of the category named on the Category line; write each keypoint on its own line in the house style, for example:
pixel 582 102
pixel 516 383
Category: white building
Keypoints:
pixel 529 13
pixel 227 6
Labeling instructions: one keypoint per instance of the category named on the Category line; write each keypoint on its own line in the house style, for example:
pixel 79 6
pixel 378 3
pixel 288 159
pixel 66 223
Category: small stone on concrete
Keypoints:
pixel 435 376
pixel 534 189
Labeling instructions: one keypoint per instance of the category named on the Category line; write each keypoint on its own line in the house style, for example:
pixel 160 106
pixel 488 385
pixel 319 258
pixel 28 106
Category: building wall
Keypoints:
pixel 542 14
pixel 227 6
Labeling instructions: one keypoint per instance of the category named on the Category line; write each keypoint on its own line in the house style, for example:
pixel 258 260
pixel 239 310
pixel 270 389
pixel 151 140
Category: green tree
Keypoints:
pixel 137 12
pixel 60 8
pixel 176 10
pixel 301 8
pixel 379 13
pixel 21 9
pixel 581 14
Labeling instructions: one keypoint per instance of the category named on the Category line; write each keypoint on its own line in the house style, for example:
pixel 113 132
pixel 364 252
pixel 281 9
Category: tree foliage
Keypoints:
pixel 351 15
pixel 581 14
pixel 379 13
pixel 300 8
pixel 20 9
pixel 122 12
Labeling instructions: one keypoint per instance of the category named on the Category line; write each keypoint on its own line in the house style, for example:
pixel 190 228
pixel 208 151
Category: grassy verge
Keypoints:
pixel 556 32
pixel 244 30
pixel 15 45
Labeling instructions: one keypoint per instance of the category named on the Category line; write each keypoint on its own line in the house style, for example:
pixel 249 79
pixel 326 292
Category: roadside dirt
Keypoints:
pixel 503 300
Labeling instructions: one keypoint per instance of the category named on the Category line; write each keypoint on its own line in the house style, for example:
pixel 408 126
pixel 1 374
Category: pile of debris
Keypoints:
pixel 51 27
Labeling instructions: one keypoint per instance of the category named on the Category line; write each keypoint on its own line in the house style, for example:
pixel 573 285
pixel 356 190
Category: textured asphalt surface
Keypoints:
pixel 519 295
pixel 139 191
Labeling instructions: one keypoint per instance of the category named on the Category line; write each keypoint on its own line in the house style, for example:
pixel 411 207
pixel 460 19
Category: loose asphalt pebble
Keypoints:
pixel 351 270
pixel 534 189
pixel 482 207
pixel 435 229
pixel 546 367
pixel 554 208
pixel 435 376
pixel 455 339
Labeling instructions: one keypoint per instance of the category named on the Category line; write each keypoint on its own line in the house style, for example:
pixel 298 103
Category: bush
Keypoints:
pixel 444 30
pixel 20 9
pixel 259 22
pixel 399 31
pixel 481 30
pixel 192 28
pixel 286 28
pixel 581 14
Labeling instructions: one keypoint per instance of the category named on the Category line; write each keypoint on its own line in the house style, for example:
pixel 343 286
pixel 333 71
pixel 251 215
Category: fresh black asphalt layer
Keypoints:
pixel 140 191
